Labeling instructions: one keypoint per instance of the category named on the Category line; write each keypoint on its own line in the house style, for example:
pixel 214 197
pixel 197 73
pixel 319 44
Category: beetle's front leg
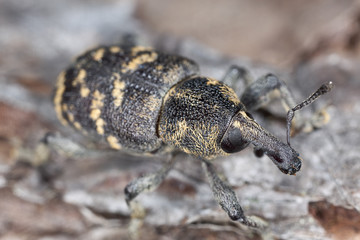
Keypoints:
pixel 258 93
pixel 226 197
pixel 265 89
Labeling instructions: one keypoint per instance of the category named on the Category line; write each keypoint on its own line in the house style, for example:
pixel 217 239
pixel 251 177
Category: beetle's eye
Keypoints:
pixel 232 140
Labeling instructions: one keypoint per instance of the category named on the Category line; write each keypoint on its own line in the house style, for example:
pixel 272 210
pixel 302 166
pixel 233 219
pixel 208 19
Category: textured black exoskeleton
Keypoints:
pixel 143 101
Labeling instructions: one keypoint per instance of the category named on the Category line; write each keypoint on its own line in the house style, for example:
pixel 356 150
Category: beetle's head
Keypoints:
pixel 243 130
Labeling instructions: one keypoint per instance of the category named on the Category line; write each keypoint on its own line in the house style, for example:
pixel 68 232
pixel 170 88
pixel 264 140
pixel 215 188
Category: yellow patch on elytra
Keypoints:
pixel 64 107
pixel 70 117
pixel 96 104
pixel 60 88
pixel 115 76
pixel 97 101
pixel 137 49
pixel 77 125
pixel 100 126
pixel 138 60
pixel 118 92
pixel 95 114
pixel 98 55
pixel 84 91
pixel 80 78
pixel 115 49
pixel 113 142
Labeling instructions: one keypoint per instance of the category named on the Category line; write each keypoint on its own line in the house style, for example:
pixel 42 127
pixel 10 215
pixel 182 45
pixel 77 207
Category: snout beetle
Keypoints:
pixel 143 101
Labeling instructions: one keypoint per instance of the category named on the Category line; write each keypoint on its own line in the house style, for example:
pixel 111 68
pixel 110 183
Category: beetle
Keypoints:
pixel 143 101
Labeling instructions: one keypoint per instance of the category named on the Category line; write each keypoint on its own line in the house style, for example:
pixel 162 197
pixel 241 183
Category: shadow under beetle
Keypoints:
pixel 143 101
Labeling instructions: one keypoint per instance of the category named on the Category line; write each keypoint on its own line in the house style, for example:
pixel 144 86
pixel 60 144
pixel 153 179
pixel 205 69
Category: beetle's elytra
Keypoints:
pixel 117 93
pixel 143 101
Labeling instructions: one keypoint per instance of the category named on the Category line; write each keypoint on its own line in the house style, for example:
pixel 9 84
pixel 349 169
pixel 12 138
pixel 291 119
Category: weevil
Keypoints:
pixel 143 101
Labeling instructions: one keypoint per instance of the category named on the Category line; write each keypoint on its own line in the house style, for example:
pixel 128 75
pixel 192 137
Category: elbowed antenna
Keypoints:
pixel 326 87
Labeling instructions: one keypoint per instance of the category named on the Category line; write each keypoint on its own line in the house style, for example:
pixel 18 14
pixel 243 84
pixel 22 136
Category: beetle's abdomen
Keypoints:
pixel 116 93
pixel 195 115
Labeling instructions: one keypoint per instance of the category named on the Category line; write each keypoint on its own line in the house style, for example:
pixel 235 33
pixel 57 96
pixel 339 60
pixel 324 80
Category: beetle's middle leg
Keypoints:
pixel 145 183
pixel 227 199
pixel 148 182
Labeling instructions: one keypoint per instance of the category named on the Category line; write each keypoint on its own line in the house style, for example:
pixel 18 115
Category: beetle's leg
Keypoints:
pixel 227 199
pixel 269 87
pixel 129 40
pixel 148 182
pixel 236 75
pixel 259 92
pixel 67 147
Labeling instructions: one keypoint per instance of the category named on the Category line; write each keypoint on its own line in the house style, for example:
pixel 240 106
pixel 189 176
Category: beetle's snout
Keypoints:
pixel 287 163
pixel 294 167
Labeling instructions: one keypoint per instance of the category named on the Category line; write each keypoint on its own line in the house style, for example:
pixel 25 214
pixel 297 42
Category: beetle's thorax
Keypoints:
pixel 195 114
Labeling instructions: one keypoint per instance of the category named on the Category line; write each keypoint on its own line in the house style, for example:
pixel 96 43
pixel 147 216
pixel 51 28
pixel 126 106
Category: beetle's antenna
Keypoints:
pixel 326 87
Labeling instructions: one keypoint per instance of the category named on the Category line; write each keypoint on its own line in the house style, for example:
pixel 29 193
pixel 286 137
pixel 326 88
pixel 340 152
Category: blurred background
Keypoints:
pixel 46 195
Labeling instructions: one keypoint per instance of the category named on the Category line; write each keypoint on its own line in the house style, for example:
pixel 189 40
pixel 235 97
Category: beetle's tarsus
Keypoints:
pixel 223 193
pixel 253 222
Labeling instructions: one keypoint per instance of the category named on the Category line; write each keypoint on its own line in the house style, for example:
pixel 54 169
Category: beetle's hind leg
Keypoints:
pixel 227 199
pixel 145 183
pixel 68 147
